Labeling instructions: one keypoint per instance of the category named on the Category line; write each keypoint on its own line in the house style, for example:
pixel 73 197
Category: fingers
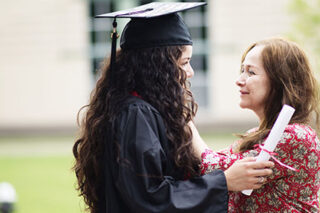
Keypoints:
pixel 257 165
pixel 256 186
pixel 249 163
pixel 261 172
pixel 257 168
pixel 247 174
pixel 256 182
pixel 248 159
pixel 263 164
pixel 261 180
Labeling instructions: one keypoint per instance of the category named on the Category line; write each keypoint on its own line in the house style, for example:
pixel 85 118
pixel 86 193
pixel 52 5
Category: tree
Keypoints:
pixel 306 27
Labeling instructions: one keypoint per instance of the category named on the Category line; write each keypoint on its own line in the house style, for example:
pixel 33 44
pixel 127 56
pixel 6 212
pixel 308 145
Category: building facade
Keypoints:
pixel 50 52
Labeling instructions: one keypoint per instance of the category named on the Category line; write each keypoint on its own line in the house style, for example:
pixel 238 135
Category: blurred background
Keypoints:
pixel 50 52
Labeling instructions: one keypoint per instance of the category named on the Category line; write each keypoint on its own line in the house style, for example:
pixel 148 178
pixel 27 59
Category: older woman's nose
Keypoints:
pixel 241 81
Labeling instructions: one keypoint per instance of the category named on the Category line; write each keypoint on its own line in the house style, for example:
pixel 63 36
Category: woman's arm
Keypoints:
pixel 145 185
pixel 199 145
pixel 298 148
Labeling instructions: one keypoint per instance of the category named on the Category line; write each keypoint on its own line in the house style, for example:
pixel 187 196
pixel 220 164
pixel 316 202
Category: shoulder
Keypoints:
pixel 300 132
pixel 138 113
pixel 134 104
pixel 300 137
pixel 299 147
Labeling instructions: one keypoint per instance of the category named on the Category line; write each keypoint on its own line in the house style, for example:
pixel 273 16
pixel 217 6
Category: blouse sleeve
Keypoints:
pixel 142 180
pixel 224 158
pixel 298 148
pixel 211 160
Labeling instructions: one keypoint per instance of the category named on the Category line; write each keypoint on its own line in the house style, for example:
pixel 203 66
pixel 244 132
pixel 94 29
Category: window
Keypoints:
pixel 100 30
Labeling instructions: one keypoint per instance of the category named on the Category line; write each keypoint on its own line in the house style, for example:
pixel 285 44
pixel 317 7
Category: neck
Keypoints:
pixel 260 115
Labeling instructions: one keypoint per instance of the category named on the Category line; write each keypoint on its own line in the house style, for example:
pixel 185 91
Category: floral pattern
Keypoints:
pixel 285 190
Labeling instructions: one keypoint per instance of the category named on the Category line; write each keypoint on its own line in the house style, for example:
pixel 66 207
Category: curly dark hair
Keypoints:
pixel 155 75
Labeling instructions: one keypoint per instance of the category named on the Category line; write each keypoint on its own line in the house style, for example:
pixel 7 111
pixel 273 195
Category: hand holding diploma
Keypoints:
pixel 274 136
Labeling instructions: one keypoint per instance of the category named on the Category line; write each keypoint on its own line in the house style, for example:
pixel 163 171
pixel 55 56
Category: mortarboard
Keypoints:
pixel 151 25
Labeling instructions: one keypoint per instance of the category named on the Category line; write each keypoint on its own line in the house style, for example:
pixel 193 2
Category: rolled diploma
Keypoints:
pixel 274 136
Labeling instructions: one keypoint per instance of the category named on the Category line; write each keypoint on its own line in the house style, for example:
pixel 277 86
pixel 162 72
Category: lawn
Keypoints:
pixel 40 170
pixel 43 183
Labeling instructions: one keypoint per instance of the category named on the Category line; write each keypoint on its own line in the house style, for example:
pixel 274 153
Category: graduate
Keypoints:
pixel 134 152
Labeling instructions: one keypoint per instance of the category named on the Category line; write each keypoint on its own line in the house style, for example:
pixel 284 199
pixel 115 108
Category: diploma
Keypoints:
pixel 274 136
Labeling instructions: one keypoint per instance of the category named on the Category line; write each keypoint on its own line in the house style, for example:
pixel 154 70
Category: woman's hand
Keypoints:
pixel 247 173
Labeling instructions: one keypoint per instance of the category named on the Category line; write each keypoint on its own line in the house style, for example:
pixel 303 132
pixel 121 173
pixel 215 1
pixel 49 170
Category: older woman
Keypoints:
pixel 276 72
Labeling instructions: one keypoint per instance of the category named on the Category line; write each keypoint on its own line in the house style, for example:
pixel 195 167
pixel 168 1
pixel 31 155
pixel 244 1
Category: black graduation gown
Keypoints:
pixel 145 178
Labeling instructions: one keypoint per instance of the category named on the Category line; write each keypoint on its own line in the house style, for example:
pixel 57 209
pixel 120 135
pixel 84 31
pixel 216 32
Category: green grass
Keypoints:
pixel 218 141
pixel 43 184
pixel 40 170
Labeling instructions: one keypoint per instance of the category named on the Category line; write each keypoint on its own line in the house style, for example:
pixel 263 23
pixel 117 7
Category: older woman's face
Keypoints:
pixel 253 82
pixel 184 61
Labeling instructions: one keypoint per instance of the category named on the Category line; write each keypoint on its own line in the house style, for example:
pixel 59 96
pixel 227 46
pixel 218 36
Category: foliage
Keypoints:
pixel 306 26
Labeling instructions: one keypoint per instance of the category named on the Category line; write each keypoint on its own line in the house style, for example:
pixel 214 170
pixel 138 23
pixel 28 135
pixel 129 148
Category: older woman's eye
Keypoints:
pixel 251 72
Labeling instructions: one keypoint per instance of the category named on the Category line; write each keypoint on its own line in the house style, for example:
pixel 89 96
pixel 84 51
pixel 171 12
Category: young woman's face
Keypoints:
pixel 253 82
pixel 184 61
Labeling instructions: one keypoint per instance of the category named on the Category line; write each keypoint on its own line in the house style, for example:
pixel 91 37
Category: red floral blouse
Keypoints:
pixel 285 190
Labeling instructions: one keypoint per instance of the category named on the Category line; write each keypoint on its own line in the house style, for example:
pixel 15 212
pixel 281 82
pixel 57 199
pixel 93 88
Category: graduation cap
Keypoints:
pixel 151 25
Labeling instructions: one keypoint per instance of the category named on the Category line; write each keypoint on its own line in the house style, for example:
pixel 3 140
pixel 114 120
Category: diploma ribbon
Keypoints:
pixel 260 146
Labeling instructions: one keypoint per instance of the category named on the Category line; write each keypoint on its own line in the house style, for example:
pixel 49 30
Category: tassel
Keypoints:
pixel 114 36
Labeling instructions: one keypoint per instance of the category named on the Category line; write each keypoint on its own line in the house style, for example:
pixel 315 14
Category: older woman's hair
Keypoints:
pixel 291 81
